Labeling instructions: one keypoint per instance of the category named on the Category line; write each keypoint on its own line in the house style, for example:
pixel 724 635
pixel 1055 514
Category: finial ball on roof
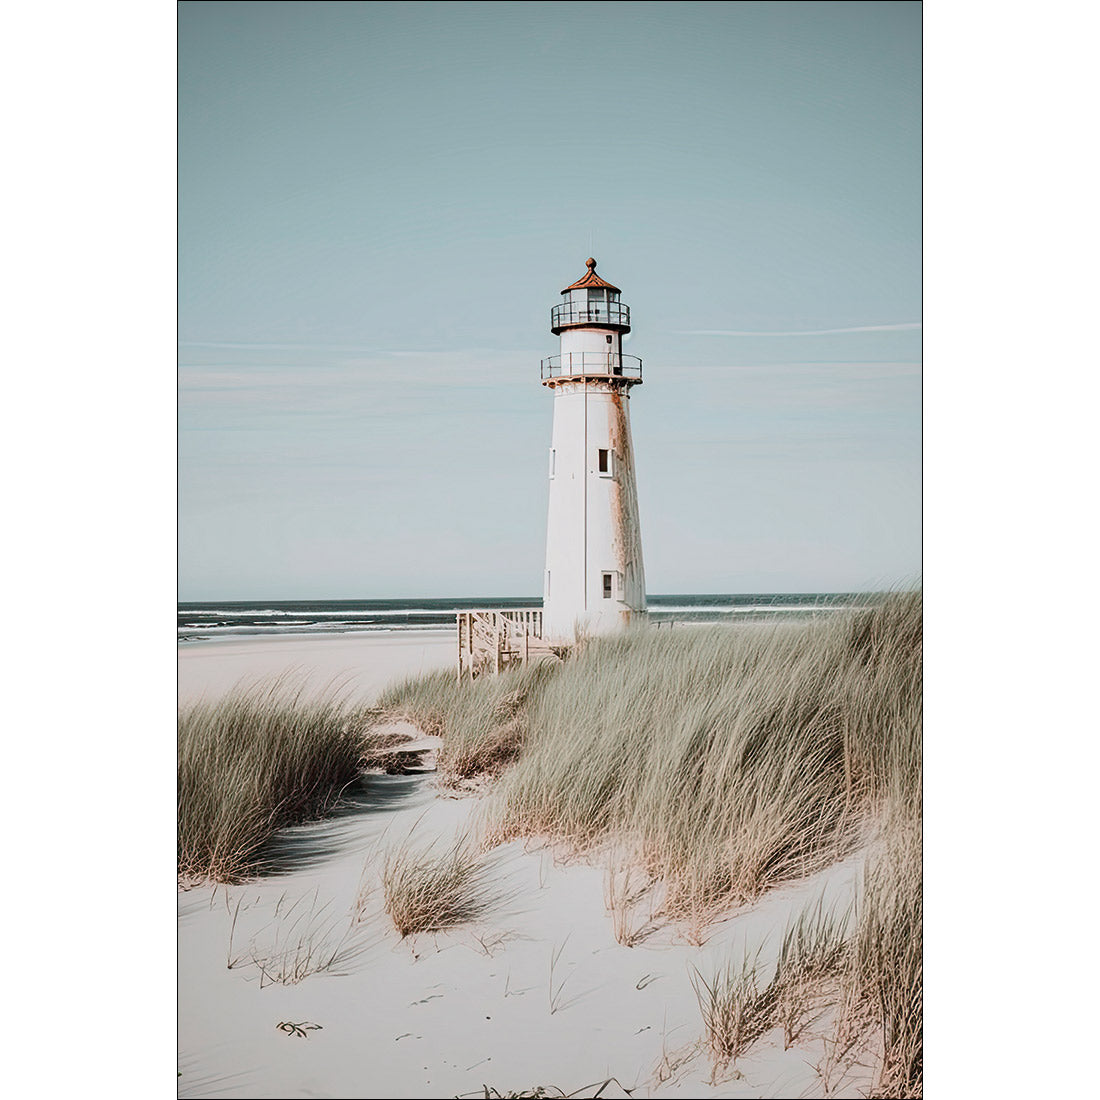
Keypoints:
pixel 590 279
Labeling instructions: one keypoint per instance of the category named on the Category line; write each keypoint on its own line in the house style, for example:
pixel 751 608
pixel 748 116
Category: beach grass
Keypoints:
pixel 864 964
pixel 720 761
pixel 253 762
pixel 737 1007
pixel 429 889
pixel 885 978
pixel 484 729
pixel 727 761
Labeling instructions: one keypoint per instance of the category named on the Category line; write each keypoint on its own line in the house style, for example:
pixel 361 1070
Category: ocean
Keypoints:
pixel 207 621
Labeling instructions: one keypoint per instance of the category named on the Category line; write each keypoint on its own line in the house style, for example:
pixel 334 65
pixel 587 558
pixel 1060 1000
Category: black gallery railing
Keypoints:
pixel 610 363
pixel 592 313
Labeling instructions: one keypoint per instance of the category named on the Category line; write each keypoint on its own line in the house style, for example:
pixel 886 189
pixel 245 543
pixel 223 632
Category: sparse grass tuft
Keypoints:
pixel 298 943
pixel 813 957
pixel 547 1092
pixel 430 890
pixel 255 761
pixel 737 1009
pixel 624 890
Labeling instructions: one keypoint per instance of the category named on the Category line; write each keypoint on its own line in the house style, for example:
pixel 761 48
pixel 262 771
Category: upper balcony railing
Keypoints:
pixel 589 313
pixel 610 364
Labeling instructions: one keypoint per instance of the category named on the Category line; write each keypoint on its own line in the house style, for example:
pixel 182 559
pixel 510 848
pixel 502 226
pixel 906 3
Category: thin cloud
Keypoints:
pixel 902 327
pixel 245 346
pixel 375 354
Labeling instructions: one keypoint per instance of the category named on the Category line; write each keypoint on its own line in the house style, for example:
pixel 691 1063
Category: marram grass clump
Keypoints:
pixel 253 762
pixel 886 976
pixel 863 968
pixel 729 759
pixel 431 889
pixel 484 725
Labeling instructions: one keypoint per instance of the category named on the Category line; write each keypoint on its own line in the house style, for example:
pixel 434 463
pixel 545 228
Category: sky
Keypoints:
pixel 380 203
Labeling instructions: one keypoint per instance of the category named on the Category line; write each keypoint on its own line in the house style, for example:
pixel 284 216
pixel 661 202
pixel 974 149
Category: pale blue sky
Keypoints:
pixel 379 204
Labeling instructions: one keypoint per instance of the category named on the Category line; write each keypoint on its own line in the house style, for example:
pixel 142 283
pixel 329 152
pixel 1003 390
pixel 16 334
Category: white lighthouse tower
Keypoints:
pixel 594 582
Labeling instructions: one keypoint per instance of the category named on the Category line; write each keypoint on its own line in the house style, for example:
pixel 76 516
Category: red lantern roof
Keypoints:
pixel 590 278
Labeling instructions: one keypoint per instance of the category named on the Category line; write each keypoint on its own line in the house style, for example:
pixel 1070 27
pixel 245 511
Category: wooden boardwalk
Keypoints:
pixel 490 640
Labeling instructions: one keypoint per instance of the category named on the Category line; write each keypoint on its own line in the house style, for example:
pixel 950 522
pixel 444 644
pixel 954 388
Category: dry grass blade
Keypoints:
pixel 555 987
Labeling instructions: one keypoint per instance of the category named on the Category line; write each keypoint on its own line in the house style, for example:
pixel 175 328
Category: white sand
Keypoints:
pixel 364 663
pixel 444 1015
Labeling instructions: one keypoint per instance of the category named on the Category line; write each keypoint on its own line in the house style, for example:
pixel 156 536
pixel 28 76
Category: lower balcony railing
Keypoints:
pixel 610 364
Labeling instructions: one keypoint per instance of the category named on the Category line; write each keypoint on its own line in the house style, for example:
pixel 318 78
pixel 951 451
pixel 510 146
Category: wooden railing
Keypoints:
pixel 490 640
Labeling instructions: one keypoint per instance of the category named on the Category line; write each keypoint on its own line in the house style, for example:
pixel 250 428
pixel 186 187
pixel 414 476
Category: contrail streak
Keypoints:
pixel 904 326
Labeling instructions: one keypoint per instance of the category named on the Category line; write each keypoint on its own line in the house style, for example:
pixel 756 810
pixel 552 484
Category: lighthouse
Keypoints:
pixel 594 581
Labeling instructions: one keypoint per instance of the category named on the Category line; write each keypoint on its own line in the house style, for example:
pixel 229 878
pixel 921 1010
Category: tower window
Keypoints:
pixel 597 303
pixel 603 461
pixel 607 585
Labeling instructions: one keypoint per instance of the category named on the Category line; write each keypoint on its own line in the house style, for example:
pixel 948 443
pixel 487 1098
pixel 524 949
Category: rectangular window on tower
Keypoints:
pixel 597 304
pixel 603 461
pixel 608 579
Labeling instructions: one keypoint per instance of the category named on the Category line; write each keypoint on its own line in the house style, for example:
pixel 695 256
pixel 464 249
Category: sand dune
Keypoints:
pixel 298 985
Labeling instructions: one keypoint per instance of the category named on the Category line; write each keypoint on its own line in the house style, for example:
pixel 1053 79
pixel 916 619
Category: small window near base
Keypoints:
pixel 607 585
pixel 604 460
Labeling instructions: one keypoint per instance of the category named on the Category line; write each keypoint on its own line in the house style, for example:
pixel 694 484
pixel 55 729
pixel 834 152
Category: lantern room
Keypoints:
pixel 590 301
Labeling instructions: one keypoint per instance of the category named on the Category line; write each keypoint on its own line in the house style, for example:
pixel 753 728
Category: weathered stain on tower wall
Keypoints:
pixel 627 538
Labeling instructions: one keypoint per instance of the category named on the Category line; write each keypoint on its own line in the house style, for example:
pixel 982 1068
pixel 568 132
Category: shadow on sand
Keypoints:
pixel 351 824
